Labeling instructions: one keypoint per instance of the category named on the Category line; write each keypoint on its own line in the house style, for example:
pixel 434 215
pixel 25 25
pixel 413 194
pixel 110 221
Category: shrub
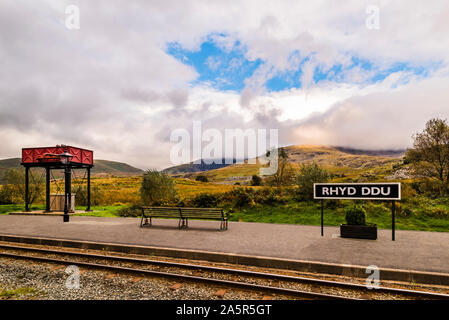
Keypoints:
pixel 406 212
pixel 439 212
pixel 206 200
pixel 14 189
pixel 241 197
pixel 407 192
pixel 96 196
pixel 307 176
pixel 269 196
pixel 201 178
pixel 256 180
pixel 7 195
pixel 356 215
pixel 157 187
pixel 134 210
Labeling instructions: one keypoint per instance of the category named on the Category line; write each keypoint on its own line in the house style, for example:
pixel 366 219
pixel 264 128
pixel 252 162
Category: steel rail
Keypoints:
pixel 278 277
pixel 177 276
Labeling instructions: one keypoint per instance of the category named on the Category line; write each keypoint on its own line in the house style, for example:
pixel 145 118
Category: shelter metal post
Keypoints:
pixel 47 189
pixel 27 183
pixel 88 190
pixel 69 190
pixel 67 194
pixel 322 228
pixel 393 205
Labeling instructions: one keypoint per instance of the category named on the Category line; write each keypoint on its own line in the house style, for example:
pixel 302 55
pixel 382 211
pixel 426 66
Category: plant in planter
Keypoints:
pixel 356 226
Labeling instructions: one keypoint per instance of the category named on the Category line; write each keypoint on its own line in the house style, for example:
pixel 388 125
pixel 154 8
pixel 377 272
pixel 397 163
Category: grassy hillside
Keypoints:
pixel 193 167
pixel 101 168
pixel 345 164
pixel 114 168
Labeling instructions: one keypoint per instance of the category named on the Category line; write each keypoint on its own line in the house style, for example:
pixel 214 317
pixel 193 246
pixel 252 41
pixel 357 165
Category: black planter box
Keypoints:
pixel 358 232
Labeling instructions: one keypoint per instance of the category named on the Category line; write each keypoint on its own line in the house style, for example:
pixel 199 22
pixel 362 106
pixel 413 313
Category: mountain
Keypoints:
pixel 101 168
pixel 114 168
pixel 196 167
pixel 342 157
pixel 343 162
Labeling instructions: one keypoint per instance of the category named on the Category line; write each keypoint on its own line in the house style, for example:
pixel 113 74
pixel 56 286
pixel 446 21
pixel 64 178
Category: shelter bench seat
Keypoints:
pixel 183 215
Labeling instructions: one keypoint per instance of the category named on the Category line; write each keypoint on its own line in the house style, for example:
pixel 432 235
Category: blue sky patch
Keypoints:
pixel 227 69
pixel 222 70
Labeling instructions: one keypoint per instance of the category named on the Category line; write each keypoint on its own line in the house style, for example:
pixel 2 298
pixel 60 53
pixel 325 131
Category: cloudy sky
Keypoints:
pixel 322 72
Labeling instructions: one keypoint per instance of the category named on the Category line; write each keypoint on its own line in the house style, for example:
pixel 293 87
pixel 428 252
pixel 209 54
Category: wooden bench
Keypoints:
pixel 183 215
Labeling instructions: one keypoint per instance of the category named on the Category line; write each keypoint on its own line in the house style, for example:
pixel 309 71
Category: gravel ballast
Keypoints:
pixel 28 280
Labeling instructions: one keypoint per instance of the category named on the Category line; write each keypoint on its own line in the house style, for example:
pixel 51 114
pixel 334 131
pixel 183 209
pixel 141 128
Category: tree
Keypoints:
pixel 201 178
pixel 256 180
pixel 284 173
pixel 157 187
pixel 13 191
pixel 307 176
pixel 429 156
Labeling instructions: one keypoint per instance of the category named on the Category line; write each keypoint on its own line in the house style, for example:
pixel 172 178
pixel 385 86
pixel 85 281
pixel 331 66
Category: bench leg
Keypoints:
pixel 182 223
pixel 144 221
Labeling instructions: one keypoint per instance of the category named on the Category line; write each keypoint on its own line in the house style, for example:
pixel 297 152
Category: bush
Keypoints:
pixel 240 197
pixel 307 176
pixel 269 196
pixel 157 187
pixel 356 215
pixel 439 212
pixel 134 210
pixel 201 178
pixel 429 187
pixel 96 196
pixel 14 189
pixel 206 200
pixel 405 212
pixel 256 180
pixel 6 195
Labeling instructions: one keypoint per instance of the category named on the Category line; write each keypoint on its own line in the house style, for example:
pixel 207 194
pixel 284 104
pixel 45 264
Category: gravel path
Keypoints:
pixel 27 280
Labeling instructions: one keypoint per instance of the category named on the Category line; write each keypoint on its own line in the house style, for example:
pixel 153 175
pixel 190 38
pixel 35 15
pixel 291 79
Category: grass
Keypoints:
pixel 309 213
pixel 415 212
pixel 431 215
pixel 24 292
pixel 97 211
pixel 100 211
pixel 7 208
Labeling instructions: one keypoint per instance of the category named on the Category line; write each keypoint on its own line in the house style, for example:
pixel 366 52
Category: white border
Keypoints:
pixel 353 183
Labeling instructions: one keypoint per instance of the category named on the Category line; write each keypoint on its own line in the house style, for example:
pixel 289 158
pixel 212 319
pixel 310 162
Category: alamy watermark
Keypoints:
pixel 373 280
pixel 73 280
pixel 372 21
pixel 212 146
pixel 72 21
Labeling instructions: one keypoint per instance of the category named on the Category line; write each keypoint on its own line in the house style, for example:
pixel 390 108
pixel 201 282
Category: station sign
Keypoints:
pixel 358 191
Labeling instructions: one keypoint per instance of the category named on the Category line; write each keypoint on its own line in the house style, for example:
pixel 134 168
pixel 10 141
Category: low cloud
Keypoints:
pixel 111 86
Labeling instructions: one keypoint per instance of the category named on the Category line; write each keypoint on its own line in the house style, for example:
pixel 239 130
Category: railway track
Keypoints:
pixel 292 286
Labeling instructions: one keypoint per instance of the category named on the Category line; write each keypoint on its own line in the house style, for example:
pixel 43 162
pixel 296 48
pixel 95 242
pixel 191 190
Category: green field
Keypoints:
pixel 417 214
pixel 309 213
pixel 417 210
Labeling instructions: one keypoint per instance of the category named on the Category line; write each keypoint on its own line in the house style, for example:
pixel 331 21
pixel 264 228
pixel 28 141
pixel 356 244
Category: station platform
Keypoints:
pixel 412 250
